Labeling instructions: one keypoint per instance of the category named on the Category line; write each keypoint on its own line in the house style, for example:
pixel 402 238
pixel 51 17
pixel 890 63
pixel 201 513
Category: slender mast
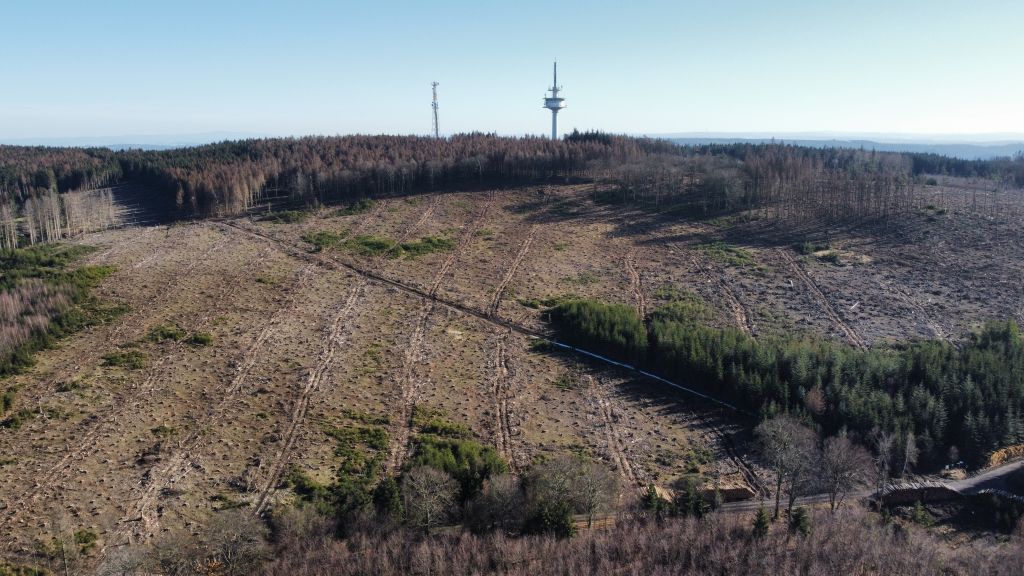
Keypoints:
pixel 437 127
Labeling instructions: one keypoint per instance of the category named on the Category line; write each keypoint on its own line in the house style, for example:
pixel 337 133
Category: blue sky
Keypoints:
pixel 645 66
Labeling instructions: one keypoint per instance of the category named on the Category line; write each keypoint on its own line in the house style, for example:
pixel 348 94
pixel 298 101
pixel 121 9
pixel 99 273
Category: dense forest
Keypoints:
pixel 941 402
pixel 785 182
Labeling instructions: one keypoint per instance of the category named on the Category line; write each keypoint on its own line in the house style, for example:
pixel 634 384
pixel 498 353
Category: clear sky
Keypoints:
pixel 105 68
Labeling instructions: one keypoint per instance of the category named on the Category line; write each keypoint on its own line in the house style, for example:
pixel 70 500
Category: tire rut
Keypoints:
pixel 501 390
pixel 819 296
pixel 739 312
pixel 492 310
pixel 636 283
pixel 460 248
pixel 613 436
pixel 409 385
pixel 332 343
pixel 52 478
pixel 409 389
pixel 175 467
pixel 431 206
pixel 710 421
pixel 905 297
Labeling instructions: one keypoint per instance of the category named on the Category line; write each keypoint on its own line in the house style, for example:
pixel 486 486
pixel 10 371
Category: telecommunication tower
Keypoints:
pixel 437 128
pixel 554 103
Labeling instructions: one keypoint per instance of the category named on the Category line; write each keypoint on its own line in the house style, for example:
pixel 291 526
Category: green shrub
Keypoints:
pixel 551 519
pixel 7 399
pixel 86 540
pixel 201 339
pixel 164 431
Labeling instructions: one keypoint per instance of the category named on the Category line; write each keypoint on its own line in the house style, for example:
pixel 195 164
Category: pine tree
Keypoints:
pixel 761 523
pixel 800 522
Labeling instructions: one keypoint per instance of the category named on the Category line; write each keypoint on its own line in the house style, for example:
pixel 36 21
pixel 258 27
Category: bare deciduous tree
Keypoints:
pixel 790 450
pixel 429 495
pixel 597 489
pixel 884 442
pixel 498 507
pixel 843 466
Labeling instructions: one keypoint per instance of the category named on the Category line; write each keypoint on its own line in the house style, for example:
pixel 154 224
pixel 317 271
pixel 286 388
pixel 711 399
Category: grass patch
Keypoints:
pixel 164 431
pixel 583 278
pixel 485 233
pixel 427 245
pixel 225 502
pixel 727 253
pixel 71 386
pixel 830 256
pixel 433 422
pixel 201 339
pixel 14 421
pixel 286 217
pixel 568 381
pixel 322 239
pixel 166 332
pixel 806 248
pixel 130 359
pixel 357 207
pixel 731 220
pixel 370 245
pixel 8 569
pixel 365 417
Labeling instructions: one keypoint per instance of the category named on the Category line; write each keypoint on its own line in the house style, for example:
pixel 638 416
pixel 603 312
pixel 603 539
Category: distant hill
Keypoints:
pixel 964 150
pixel 134 141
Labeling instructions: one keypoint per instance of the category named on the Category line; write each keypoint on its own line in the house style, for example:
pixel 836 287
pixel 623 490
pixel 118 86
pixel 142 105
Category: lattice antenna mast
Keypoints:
pixel 554 103
pixel 437 126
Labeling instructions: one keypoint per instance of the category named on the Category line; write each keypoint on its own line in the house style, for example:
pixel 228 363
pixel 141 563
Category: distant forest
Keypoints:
pixel 228 178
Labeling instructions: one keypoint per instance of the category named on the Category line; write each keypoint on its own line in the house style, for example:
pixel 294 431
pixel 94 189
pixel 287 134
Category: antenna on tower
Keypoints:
pixel 437 127
pixel 554 103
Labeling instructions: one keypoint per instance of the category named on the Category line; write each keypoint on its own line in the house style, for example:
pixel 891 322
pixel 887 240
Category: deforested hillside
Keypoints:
pixel 507 351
